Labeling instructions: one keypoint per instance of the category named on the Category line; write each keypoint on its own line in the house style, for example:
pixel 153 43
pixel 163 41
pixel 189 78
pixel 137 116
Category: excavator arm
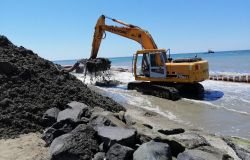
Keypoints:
pixel 127 30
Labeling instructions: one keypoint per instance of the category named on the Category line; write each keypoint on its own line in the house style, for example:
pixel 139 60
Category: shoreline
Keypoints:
pixel 203 115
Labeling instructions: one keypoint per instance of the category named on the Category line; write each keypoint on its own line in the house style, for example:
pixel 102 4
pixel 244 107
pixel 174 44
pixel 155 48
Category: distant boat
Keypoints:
pixel 210 51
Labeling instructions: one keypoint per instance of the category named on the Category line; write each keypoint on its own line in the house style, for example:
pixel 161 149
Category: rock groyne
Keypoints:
pixel 231 78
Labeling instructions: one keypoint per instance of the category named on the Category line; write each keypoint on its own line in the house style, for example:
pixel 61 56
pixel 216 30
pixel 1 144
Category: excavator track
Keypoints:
pixel 171 91
pixel 157 90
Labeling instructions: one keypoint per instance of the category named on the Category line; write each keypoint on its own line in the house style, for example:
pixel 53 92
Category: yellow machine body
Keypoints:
pixel 177 72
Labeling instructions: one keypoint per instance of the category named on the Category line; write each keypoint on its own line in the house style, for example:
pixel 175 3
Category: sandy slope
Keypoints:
pixel 26 147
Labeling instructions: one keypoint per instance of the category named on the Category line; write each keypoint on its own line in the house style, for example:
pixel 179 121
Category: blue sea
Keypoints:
pixel 219 62
pixel 225 109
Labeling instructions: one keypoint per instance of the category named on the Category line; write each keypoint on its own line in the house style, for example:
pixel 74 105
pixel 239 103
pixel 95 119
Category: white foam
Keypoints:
pixel 201 102
pixel 138 100
pixel 237 111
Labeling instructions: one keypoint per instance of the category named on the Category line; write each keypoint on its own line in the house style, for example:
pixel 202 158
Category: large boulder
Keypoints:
pixel 58 129
pixel 105 118
pixel 50 116
pixel 153 151
pixel 194 155
pixel 189 140
pixel 203 153
pixel 111 135
pixel 218 143
pixel 75 111
pixel 240 146
pixel 80 144
pixel 119 152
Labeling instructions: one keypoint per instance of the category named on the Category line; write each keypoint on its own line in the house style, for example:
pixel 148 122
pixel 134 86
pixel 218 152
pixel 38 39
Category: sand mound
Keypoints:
pixel 29 85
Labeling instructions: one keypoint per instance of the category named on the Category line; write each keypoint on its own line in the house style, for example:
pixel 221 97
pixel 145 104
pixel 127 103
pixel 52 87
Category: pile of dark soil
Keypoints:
pixel 29 85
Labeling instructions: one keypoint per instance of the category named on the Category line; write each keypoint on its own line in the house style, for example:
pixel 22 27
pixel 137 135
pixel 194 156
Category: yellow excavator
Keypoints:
pixel 155 72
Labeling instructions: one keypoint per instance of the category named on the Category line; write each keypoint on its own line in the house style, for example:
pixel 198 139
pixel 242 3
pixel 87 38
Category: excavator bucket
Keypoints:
pixel 90 65
pixel 98 65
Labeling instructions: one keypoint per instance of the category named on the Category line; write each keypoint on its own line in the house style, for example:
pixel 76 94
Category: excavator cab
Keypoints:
pixel 150 63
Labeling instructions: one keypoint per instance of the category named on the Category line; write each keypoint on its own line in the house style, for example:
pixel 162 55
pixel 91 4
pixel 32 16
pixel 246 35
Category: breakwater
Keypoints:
pixel 231 78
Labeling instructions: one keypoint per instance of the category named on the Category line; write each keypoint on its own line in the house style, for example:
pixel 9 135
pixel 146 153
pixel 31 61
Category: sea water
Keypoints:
pixel 225 109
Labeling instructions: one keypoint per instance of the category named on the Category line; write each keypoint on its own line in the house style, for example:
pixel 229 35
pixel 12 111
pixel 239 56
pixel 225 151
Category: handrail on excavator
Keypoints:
pixel 121 22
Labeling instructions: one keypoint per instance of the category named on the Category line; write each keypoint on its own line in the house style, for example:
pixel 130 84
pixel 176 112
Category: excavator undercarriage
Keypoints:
pixel 171 91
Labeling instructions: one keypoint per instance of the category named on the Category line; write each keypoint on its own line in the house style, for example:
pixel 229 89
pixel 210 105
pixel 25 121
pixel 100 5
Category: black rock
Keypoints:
pixel 76 111
pixel 171 131
pixel 50 116
pixel 192 155
pixel 119 152
pixel 189 140
pixel 80 144
pixel 153 151
pixel 99 156
pixel 148 126
pixel 50 134
pixel 105 119
pixel 204 153
pixel 58 129
pixel 111 135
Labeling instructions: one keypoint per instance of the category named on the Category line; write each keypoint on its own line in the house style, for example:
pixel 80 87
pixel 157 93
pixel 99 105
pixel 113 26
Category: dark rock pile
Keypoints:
pixel 29 85
pixel 97 134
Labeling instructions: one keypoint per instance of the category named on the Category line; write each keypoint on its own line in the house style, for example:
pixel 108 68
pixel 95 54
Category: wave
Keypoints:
pixel 237 111
pixel 217 106
pixel 134 99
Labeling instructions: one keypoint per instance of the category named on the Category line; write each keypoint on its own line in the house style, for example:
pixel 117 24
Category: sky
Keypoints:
pixel 63 29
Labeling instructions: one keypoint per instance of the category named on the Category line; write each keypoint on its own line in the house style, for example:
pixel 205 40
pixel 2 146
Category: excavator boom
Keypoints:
pixel 127 30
